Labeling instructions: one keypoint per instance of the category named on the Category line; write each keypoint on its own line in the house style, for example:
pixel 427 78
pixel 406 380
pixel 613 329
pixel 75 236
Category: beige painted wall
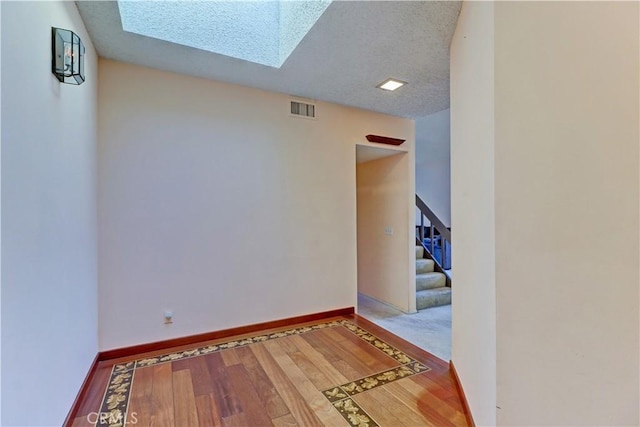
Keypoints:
pixel 216 204
pixel 565 128
pixel 0 226
pixel 433 163
pixel 386 270
pixel 49 230
pixel 566 159
pixel 472 208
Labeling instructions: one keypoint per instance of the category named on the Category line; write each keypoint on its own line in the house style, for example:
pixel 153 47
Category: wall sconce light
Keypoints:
pixel 67 61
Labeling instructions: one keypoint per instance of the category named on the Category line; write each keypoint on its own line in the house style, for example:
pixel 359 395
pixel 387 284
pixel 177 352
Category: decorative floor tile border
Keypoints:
pixel 115 402
pixel 200 351
pixel 372 381
pixel 113 411
pixel 354 414
pixel 377 342
pixel 340 396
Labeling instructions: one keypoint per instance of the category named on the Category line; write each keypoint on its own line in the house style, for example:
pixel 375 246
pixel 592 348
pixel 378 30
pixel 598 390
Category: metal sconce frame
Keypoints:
pixel 67 56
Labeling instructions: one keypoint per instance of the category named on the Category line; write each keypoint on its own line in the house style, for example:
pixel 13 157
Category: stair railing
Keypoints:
pixel 435 224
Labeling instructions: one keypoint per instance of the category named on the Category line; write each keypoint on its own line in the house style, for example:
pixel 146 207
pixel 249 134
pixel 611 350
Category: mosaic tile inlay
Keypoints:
pixel 116 398
pixel 373 381
pixel 113 411
pixel 354 414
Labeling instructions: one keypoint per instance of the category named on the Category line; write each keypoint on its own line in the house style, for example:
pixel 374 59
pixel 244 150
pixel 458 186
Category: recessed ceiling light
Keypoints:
pixel 391 84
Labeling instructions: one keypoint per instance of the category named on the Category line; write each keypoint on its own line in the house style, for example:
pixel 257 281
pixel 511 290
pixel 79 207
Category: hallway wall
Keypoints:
pixel 49 230
pixel 216 204
pixel 473 336
pixel 551 114
pixel 433 164
pixel 566 157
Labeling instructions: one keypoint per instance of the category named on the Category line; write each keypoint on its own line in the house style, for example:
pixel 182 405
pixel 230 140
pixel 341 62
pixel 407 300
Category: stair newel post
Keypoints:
pixel 442 251
pixel 431 236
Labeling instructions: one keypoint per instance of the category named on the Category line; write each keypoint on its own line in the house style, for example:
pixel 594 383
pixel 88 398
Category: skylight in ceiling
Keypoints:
pixel 264 32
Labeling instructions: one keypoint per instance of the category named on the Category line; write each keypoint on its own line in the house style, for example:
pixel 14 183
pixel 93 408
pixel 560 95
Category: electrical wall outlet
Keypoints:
pixel 388 230
pixel 168 317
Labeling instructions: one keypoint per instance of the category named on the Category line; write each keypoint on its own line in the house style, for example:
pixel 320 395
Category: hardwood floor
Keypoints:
pixel 342 371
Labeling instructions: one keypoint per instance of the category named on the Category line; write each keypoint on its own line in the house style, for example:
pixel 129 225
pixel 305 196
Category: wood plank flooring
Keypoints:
pixel 342 371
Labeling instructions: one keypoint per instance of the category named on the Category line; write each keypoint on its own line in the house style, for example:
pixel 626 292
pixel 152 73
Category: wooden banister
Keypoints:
pixel 439 225
pixel 444 237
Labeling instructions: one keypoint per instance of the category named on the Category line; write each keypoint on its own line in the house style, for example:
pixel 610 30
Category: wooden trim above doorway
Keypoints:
pixel 384 139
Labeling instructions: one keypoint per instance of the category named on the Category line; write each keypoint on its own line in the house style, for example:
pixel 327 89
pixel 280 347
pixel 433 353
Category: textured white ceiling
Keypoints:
pixel 265 32
pixel 352 47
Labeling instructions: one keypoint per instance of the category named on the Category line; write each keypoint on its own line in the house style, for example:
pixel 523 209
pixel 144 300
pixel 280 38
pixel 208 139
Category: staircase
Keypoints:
pixel 431 286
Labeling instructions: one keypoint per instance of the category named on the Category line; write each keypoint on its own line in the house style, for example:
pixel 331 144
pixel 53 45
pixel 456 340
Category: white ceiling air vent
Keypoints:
pixel 300 109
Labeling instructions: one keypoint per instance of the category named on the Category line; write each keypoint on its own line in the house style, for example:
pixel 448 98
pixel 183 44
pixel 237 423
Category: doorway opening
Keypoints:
pixel 383 226
pixel 386 252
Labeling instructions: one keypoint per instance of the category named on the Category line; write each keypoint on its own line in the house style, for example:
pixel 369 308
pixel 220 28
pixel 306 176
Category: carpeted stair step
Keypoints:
pixel 424 265
pixel 419 252
pixel 430 281
pixel 433 297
